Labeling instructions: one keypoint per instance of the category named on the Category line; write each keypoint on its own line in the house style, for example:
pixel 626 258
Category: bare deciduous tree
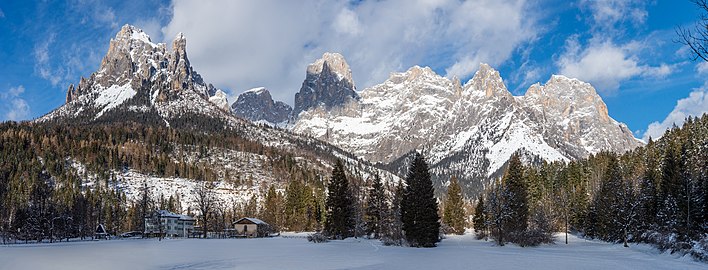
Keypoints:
pixel 696 38
pixel 205 200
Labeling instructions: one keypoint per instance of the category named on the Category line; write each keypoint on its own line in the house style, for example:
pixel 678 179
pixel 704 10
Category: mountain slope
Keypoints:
pixel 143 85
pixel 468 130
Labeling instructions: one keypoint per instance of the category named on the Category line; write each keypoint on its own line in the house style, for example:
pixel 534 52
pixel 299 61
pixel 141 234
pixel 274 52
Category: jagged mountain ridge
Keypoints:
pixel 139 77
pixel 143 82
pixel 454 125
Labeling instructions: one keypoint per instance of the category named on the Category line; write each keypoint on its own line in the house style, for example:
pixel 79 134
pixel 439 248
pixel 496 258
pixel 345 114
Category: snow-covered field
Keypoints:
pixel 455 252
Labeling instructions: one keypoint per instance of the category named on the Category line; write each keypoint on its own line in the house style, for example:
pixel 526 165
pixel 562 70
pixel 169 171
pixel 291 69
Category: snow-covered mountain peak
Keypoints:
pixel 415 73
pixel 257 91
pixel 336 64
pixel 567 96
pixel 129 33
pixel 140 76
pixel 328 82
pixel 487 81
pixel 469 131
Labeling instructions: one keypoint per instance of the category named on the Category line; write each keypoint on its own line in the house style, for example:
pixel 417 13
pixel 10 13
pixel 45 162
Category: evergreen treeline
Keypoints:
pixel 409 216
pixel 44 195
pixel 654 194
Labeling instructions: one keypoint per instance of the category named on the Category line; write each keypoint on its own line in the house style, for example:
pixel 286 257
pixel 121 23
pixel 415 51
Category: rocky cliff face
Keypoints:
pixel 139 76
pixel 328 83
pixel 468 130
pixel 257 105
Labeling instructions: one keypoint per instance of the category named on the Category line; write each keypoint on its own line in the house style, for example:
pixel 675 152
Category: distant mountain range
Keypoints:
pixel 466 130
pixel 143 82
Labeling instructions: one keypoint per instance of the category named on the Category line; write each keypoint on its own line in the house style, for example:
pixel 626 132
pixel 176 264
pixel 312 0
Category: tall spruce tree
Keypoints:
pixel 669 213
pixel 271 213
pixel 609 199
pixel 393 233
pixel 648 192
pixel 376 208
pixel 454 210
pixel 479 220
pixel 340 212
pixel 516 198
pixel 419 208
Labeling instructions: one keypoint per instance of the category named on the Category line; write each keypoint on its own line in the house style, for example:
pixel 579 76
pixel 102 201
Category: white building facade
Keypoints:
pixel 169 224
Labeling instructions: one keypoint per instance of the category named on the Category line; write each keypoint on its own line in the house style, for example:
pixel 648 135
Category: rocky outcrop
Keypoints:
pixel 257 105
pixel 140 76
pixel 328 83
pixel 575 117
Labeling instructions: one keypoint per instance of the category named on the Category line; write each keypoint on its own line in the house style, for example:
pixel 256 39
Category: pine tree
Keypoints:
pixel 271 208
pixel 340 212
pixel 499 212
pixel 454 210
pixel 393 232
pixel 648 197
pixel 670 213
pixel 419 208
pixel 516 198
pixel 479 220
pixel 376 208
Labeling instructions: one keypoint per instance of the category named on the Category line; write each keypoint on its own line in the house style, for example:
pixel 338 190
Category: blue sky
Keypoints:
pixel 624 48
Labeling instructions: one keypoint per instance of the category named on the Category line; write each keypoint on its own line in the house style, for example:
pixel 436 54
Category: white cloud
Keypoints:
pixel 607 15
pixel 702 68
pixel 696 104
pixel 16 91
pixel 42 62
pixel 2 14
pixel 244 44
pixel 16 107
pixel 347 22
pixel 605 64
pixel 105 16
pixel 95 12
pixel 19 110
pixel 607 57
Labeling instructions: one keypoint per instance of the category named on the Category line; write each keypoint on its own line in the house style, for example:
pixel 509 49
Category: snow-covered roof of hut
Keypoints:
pixel 250 220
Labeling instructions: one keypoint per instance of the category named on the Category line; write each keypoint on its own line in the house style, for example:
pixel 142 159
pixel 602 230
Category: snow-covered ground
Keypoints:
pixel 293 252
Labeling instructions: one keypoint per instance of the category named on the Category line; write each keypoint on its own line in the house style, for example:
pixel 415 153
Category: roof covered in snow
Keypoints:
pixel 248 220
pixel 168 214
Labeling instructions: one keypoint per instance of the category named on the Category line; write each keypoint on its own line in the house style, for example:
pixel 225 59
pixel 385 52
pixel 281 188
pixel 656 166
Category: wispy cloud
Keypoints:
pixel 96 12
pixel 696 104
pixel 43 65
pixel 16 107
pixel 702 68
pixel 2 14
pixel 611 17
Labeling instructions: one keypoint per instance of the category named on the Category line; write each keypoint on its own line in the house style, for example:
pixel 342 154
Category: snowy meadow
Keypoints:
pixel 454 252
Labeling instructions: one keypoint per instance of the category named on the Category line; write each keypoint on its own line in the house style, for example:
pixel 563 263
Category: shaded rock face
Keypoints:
pixel 139 76
pixel 257 105
pixel 328 83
